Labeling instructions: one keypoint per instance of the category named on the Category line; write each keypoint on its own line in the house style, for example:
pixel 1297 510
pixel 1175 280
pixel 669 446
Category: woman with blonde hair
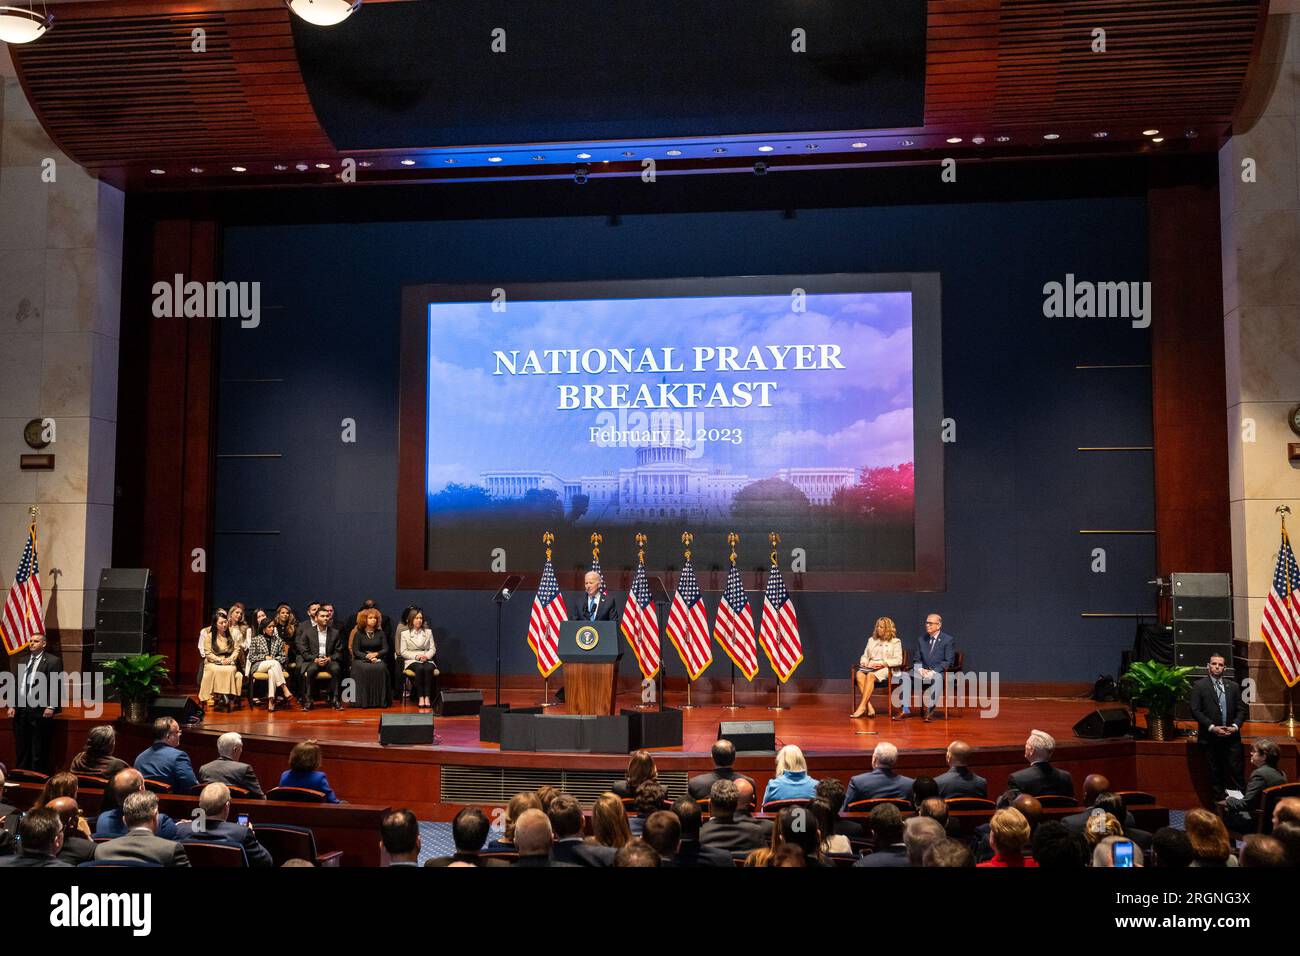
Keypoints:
pixel 791 781
pixel 884 652
pixel 518 805
pixel 1100 825
pixel 609 822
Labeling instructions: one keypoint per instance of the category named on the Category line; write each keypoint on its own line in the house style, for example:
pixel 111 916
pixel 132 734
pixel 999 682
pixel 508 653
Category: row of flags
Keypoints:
pixel 687 626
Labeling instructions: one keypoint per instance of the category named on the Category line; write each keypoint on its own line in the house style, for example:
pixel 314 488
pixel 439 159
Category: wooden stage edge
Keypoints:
pixel 362 771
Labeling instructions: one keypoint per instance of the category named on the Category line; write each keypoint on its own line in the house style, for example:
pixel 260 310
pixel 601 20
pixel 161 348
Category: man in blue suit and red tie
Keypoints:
pixel 936 654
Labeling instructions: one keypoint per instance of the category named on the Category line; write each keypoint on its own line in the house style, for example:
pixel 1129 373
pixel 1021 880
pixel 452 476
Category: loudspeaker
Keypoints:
pixel 125 613
pixel 749 736
pixel 1102 723
pixel 653 728
pixel 461 703
pixel 184 709
pixel 406 728
pixel 1202 621
pixel 489 722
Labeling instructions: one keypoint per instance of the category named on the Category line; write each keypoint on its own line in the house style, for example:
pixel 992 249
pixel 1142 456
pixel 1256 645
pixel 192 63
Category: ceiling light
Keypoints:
pixel 323 13
pixel 302 167
pixel 1157 139
pixel 364 164
pixel 280 167
pixel 239 169
pixel 674 152
pixel 1151 132
pixel 450 160
pixel 157 172
pixel 1051 136
pixel 408 162
pixel 811 146
pixel 765 149
pixel 1191 133
pixel 719 149
pixel 584 155
pixel 494 159
pixel 954 139
pixel 977 140
pixel 1003 139
pixel 1100 134
pixel 196 169
pixel 322 165
pixel 539 157
pixel 858 145
pixel 22 24
pixel 907 142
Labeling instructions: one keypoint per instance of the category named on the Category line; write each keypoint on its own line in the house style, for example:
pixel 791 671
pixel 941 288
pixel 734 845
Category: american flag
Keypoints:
pixel 595 566
pixel 544 622
pixel 779 632
pixel 640 624
pixel 1281 625
pixel 734 626
pixel 688 624
pixel 22 616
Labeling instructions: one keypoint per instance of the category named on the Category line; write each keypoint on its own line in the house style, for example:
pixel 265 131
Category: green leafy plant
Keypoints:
pixel 137 678
pixel 1157 686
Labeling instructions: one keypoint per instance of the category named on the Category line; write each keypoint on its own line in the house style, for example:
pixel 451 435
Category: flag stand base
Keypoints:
pixel 688 705
pixel 777 705
pixel 733 705
pixel 546 695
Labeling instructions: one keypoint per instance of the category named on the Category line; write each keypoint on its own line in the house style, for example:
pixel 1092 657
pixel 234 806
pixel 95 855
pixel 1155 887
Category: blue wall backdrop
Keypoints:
pixel 315 517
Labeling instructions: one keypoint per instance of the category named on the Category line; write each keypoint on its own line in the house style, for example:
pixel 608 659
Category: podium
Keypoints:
pixel 589 651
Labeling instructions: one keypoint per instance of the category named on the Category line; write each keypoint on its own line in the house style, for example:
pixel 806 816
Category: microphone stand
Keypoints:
pixel 504 594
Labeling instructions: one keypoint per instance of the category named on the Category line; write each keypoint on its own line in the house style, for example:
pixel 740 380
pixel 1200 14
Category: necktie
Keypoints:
pixel 27 677
pixel 1223 701
pixel 591 609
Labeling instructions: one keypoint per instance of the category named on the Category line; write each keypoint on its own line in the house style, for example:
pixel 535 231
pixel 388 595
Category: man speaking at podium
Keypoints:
pixel 591 605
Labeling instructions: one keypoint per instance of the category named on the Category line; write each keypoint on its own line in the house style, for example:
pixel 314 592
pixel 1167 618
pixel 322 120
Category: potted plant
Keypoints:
pixel 1159 688
pixel 137 680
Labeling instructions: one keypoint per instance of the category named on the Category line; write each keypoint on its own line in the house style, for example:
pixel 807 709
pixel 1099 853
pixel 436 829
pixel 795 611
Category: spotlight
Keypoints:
pixel 580 174
pixel 323 13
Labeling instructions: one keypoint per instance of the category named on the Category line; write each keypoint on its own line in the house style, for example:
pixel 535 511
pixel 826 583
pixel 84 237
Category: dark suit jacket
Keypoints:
pixel 961 782
pixel 142 847
pixel 695 853
pixel 232 774
pixel 1040 778
pixel 110 824
pixel 699 785
pixel 875 784
pixel 226 832
pixel 741 833
pixel 30 859
pixel 77 848
pixel 1253 796
pixel 607 610
pixel 539 860
pixel 49 664
pixel 580 853
pixel 942 658
pixel 1076 822
pixel 890 856
pixel 307 645
pixel 459 857
pixel 168 764
pixel 1204 705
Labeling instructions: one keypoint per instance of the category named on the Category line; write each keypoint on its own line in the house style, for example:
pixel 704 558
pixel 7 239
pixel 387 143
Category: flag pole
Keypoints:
pixel 547 539
pixel 1282 511
pixel 774 539
pixel 732 538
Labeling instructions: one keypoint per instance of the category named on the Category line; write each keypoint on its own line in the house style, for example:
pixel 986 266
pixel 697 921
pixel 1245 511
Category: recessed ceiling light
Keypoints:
pixel 196 169
pixel 1151 132
pixel 954 139
pixel 494 159
pixel 301 167
pixel 1051 136
pixel 765 149
pixel 1191 133
pixel 365 164
pixel 584 155
pixel 674 152
pixel 907 142
pixel 1003 139
pixel 539 157
pixel 450 160
pixel 239 169
pixel 858 145
pixel 1157 139
pixel 628 153
pixel 1100 134
pixel 322 165
pixel 157 172
pixel 977 140
pixel 811 146
pixel 719 149
pixel 408 162
pixel 280 167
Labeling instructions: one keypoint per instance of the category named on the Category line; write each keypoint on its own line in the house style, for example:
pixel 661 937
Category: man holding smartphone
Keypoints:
pixel 213 824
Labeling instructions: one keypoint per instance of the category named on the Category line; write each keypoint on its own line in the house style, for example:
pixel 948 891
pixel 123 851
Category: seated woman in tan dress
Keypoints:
pixel 221 677
pixel 884 650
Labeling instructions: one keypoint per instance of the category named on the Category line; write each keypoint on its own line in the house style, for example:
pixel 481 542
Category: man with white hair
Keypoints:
pixel 919 834
pixel 881 781
pixel 1040 777
pixel 228 770
pixel 214 825
pixel 534 840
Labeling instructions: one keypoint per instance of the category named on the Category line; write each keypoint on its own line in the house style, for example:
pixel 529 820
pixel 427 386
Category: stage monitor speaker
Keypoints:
pixel 653 728
pixel 406 728
pixel 749 736
pixel 489 722
pixel 461 703
pixel 126 606
pixel 184 709
pixel 1102 723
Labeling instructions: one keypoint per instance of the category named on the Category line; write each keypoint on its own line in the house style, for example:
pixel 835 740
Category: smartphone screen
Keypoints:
pixel 243 819
pixel 1121 853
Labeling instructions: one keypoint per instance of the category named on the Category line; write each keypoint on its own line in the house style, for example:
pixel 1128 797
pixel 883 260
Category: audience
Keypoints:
pixel 745 806
pixel 936 810
pixel 609 824
pixel 534 839
pixel 923 788
pixel 959 781
pixel 96 758
pixel 40 840
pixel 399 838
pixel 881 780
pixel 690 850
pixel 1286 810
pixel 63 784
pixel 565 814
pixel 110 823
pixel 827 823
pixel 1040 777
pixel 469 831
pixel 1055 847
pixel 1171 849
pixel 1008 835
pixel 650 796
pixel 1259 849
pixel 1103 852
pixel 164 761
pixel 1208 836
pixel 727 830
pixel 141 844
pixel 948 853
pixel 1101 825
pixel 228 770
pixel 832 790
pixel 888 848
pixel 304 771
pixel 919 834
pixel 637 853
pixel 545 794
pixel 214 801
pixel 724 755
pixel 1264 757
pixel 6 835
pixel 1288 834
pixel 519 804
pixel 78 847
pixel 663 832
pixel 791 781
pixel 795 826
pixel 640 768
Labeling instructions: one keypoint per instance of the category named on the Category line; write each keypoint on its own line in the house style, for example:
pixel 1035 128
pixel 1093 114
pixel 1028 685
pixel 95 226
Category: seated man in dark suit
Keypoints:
pixel 110 822
pixel 746 795
pixel 1029 807
pixel 141 843
pixel 216 826
pixel 565 814
pixel 228 770
pixel 1107 800
pixel 1040 777
pixel 724 755
pixel 1264 757
pixel 832 791
pixel 887 830
pixel 919 834
pixel 164 761
pixel 534 840
pixel 959 781
pixel 690 850
pixel 399 839
pixel 727 831
pixel 663 832
pixel 41 837
pixel 881 781
pixel 322 648
pixel 469 831
pixel 77 847
pixel 935 655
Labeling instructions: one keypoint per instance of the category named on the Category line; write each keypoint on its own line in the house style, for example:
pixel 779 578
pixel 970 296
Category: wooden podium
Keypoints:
pixel 590 653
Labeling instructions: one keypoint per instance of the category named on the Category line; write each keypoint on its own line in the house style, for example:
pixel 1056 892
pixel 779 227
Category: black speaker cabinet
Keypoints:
pixel 126 606
pixel 1102 723
pixel 653 728
pixel 461 703
pixel 406 728
pixel 749 736
pixel 185 710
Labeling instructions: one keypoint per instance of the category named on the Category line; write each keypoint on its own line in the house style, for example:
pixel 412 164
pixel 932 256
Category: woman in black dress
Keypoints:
pixel 369 671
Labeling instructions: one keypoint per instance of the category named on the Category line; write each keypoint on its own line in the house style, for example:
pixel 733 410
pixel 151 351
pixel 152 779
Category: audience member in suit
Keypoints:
pixel 534 840
pixel 1216 703
pixel 690 849
pixel 637 853
pixel 887 836
pixel 935 809
pixel 165 761
pixel 1106 800
pixel 745 796
pixel 948 854
pixel 832 790
pixel 881 780
pixel 304 771
pixel 1289 835
pixel 321 649
pixel 640 768
pixel 41 837
pixel 110 822
pixel 399 839
pixel 228 770
pixel 96 758
pixel 141 843
pixel 469 831
pixel 1056 848
pixel 1261 850
pixel 78 847
pixel 1264 757
pixel 923 788
pixel 565 814
pixel 724 755
pixel 215 804
pixel 609 825
pixel 1009 834
pixel 725 830
pixel 960 781
pixel 919 834
pixel 1040 777
pixel 38 701
pixel 791 781
pixel 936 654
pixel 519 804
pixel 1170 849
